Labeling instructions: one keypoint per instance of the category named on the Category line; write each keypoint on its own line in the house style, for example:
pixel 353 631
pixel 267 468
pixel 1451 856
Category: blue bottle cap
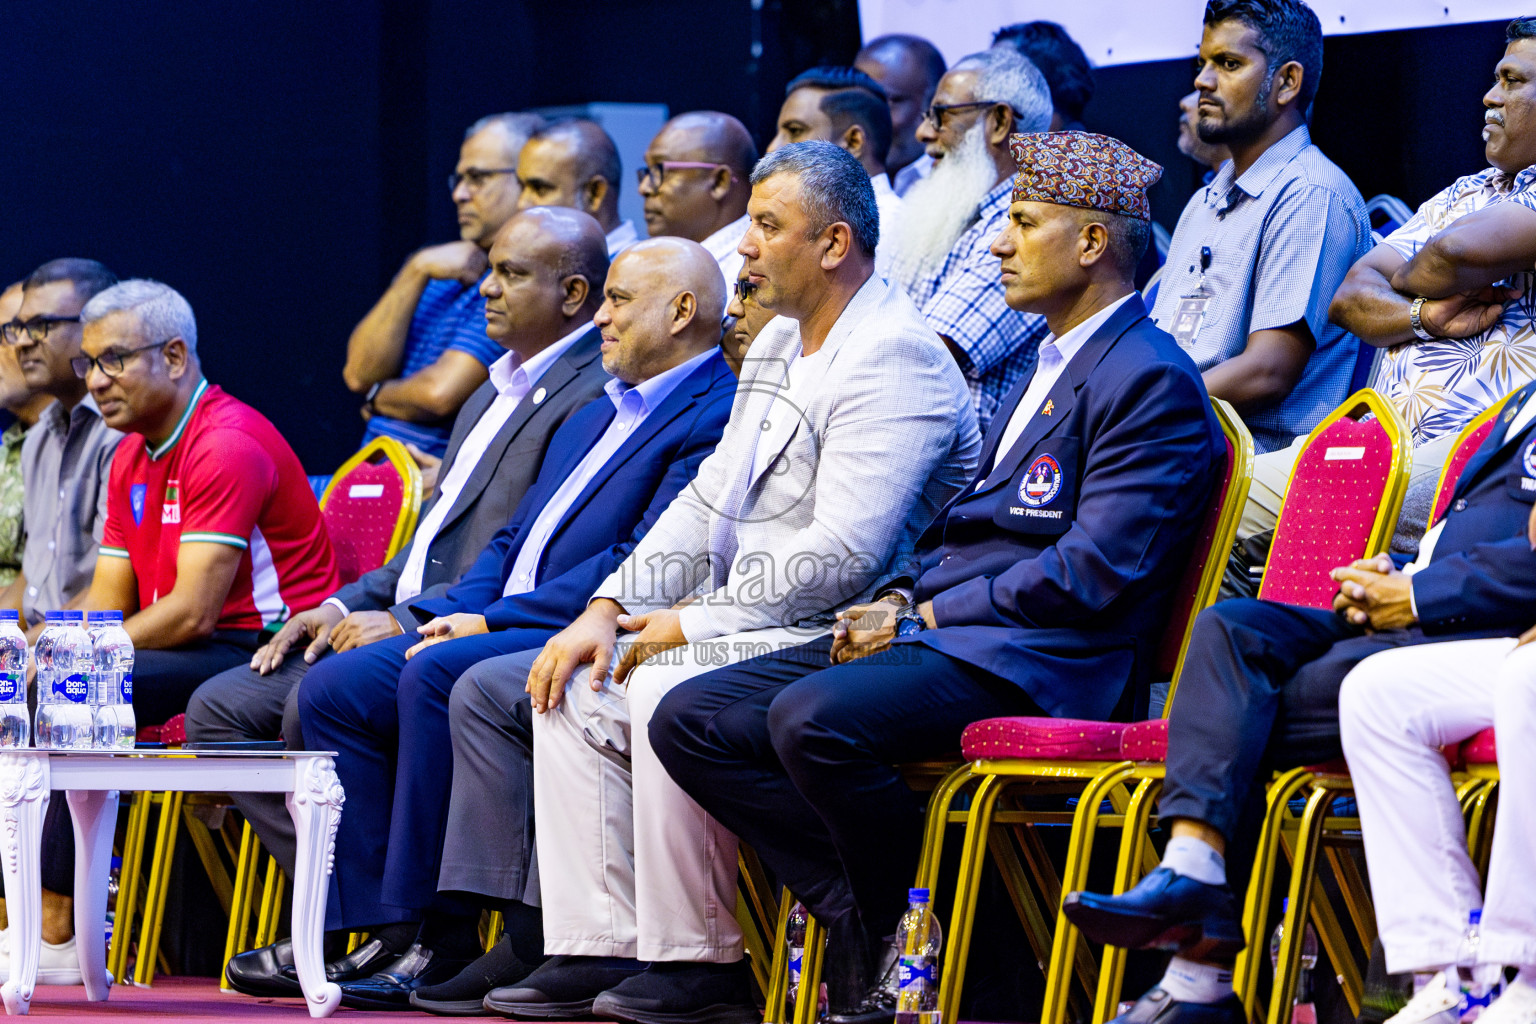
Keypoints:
pixel 8 615
pixel 98 616
pixel 114 616
pixel 74 616
pixel 53 616
pixel 1285 904
pixel 917 895
pixel 1475 917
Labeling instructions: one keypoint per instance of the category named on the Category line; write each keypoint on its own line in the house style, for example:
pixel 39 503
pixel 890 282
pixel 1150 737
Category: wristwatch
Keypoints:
pixel 1416 323
pixel 372 393
pixel 909 621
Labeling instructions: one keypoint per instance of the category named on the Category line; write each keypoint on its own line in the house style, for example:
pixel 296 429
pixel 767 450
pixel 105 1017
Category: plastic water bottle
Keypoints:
pixel 1302 1010
pixel 794 941
pixel 1481 983
pixel 919 940
pixel 63 682
pixel 15 724
pixel 112 682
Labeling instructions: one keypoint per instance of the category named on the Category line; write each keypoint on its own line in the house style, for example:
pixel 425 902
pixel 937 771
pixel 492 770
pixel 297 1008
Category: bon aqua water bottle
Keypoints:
pixel 112 682
pixel 15 724
pixel 42 656
pixel 918 941
pixel 64 672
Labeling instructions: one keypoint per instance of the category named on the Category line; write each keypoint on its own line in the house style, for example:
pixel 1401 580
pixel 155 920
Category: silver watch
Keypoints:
pixel 1416 323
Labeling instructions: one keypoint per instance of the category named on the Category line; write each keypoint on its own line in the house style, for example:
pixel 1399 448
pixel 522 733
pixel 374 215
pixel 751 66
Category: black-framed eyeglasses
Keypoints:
pixel 934 115
pixel 746 289
pixel 476 177
pixel 655 173
pixel 36 329
pixel 110 363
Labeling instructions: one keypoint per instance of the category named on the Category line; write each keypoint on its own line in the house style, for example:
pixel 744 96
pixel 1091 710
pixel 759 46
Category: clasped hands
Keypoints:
pixel 1375 594
pixel 865 629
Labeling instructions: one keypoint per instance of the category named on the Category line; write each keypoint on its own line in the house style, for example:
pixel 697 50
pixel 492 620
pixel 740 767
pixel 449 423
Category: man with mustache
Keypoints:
pixel 1258 253
pixel 1447 297
pixel 950 218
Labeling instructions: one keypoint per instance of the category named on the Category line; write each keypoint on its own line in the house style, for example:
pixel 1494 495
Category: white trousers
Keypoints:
pixel 629 864
pixel 1396 710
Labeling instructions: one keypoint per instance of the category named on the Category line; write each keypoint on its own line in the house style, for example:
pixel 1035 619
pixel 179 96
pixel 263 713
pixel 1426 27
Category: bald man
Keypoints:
pixel 908 68
pixel 575 163
pixel 694 184
pixel 610 471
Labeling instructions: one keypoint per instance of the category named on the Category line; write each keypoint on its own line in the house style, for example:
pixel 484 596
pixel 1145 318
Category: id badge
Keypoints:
pixel 1188 317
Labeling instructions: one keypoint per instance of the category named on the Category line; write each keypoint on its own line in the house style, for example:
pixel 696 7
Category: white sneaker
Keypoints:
pixel 1516 1006
pixel 1435 1003
pixel 56 964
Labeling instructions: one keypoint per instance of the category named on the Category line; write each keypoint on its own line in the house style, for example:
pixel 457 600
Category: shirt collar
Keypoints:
pixel 1502 182
pixel 724 242
pixel 620 237
pixel 181 424
pixel 1265 169
pixel 1069 344
pixel 504 371
pixel 654 390
pixel 882 185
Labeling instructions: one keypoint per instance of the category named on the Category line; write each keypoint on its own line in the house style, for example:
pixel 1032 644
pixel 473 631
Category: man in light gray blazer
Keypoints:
pixel 851 428
pixel 494 454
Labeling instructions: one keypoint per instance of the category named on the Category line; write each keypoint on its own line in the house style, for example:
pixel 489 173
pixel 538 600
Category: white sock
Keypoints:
pixel 1190 982
pixel 1195 858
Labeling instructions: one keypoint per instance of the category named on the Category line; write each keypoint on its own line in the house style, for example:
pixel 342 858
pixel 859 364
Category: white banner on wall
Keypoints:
pixel 1132 31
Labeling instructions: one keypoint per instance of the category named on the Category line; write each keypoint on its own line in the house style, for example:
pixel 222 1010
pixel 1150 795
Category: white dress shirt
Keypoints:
pixel 1055 354
pixel 632 405
pixel 890 205
pixel 513 379
pixel 722 246
pixel 620 238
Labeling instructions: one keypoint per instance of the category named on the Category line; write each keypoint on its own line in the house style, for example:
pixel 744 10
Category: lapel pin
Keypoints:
pixel 1049 405
pixel 538 396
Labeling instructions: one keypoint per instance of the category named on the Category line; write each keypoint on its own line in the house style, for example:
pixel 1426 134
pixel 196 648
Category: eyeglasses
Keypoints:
pixel 746 289
pixel 934 115
pixel 109 363
pixel 655 173
pixel 476 177
pixel 36 329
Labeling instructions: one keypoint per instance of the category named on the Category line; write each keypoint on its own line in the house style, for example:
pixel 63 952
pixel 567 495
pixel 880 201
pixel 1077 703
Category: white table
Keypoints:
pixel 91 781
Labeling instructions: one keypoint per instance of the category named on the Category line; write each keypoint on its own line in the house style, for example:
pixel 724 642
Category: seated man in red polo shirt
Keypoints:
pixel 212 531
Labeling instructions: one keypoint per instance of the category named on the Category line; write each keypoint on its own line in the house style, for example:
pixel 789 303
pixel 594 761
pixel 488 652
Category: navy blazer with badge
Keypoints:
pixel 610 515
pixel 1056 569
pixel 1481 575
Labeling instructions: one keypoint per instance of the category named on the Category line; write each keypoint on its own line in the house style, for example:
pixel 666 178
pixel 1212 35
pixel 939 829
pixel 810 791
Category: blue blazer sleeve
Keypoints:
pixel 1490 586
pixel 1133 509
pixel 558 600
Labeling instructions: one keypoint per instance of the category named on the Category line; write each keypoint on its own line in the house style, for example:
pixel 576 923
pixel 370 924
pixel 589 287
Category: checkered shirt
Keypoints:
pixel 1282 237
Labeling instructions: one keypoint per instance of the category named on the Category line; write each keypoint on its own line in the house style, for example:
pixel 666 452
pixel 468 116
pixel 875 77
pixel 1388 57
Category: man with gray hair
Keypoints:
pixel 212 530
pixel 952 216
pixel 850 429
pixel 421 351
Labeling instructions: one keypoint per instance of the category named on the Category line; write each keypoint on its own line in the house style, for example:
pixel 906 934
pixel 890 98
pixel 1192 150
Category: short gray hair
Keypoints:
pixel 161 310
pixel 518 124
pixel 833 185
pixel 1007 76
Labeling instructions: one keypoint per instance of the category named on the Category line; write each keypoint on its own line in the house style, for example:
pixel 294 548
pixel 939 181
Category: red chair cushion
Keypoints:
pixel 1189 584
pixel 174 731
pixel 1331 503
pixel 1064 739
pixel 1457 462
pixel 1145 741
pixel 1481 749
pixel 149 734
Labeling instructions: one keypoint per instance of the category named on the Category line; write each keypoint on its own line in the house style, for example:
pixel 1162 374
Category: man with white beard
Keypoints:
pixel 950 218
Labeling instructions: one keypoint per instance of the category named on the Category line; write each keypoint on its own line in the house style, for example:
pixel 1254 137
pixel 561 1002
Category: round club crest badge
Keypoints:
pixel 1042 482
pixel 1528 457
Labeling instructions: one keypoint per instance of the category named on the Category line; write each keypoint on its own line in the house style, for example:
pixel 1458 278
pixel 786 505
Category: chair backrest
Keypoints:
pixel 1467 442
pixel 1149 290
pixel 1387 213
pixel 370 506
pixel 1342 500
pixel 1208 557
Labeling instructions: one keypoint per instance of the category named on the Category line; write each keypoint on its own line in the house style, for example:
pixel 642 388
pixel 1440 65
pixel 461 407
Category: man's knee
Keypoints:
pixel 204 722
pixel 676 728
pixel 803 719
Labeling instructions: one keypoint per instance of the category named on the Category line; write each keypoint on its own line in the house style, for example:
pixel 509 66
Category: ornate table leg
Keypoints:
pixel 95 814
pixel 23 802
pixel 315 805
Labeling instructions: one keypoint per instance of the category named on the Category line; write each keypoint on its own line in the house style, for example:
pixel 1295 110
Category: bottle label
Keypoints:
pixel 127 687
pixel 796 963
pixel 10 684
pixel 913 969
pixel 72 687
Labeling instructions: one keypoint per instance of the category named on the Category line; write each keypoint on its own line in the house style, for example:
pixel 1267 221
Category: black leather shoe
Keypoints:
pixel 1158 1007
pixel 563 988
pixel 859 973
pixel 361 963
pixel 673 992
pixel 1164 911
pixel 267 971
pixel 391 988
pixel 464 994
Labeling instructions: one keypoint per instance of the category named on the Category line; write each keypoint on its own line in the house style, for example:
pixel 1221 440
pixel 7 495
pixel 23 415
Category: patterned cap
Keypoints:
pixel 1082 169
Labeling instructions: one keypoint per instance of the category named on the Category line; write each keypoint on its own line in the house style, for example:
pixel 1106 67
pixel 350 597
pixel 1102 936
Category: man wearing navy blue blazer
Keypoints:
pixel 609 472
pixel 1260 691
pixel 1043 587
